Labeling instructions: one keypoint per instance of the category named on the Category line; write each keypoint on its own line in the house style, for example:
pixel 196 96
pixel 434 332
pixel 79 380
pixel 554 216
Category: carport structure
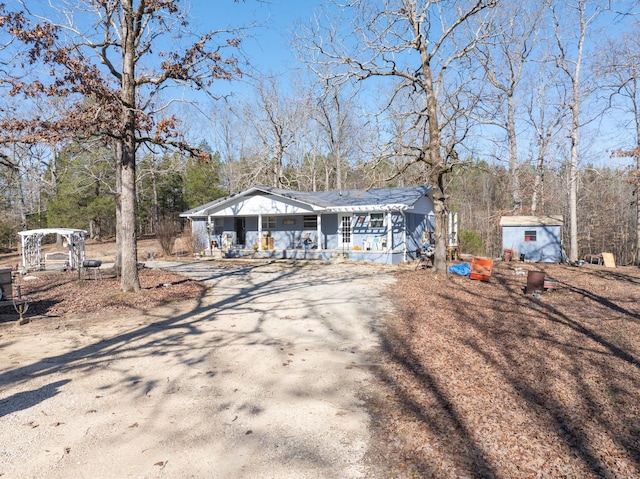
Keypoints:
pixel 32 246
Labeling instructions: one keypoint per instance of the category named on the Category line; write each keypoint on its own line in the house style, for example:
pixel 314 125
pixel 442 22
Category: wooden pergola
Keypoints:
pixel 32 246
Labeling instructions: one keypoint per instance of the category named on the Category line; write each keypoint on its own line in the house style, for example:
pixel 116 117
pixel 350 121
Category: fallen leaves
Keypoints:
pixel 479 379
pixel 62 293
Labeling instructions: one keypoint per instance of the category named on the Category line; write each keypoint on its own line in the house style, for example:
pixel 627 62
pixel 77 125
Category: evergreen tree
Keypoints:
pixel 202 179
pixel 84 194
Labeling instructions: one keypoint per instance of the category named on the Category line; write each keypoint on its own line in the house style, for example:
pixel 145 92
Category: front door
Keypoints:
pixel 344 233
pixel 241 230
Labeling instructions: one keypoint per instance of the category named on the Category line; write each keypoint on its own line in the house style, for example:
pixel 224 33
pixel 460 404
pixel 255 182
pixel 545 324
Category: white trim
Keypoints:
pixel 404 237
pixel 390 231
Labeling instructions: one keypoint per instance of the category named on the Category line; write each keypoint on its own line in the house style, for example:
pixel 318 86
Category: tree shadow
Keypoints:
pixel 576 375
pixel 26 399
pixel 234 295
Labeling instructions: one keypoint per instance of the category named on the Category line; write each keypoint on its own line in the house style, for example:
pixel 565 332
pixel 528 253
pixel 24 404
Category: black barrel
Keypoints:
pixel 91 263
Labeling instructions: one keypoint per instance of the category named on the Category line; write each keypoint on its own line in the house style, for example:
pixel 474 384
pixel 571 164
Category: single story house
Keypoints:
pixel 386 225
pixel 538 238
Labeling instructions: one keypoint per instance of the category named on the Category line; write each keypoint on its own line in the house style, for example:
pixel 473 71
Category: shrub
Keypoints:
pixel 167 231
pixel 471 243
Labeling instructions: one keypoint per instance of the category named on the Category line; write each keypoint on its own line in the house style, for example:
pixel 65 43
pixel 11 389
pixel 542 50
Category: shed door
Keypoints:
pixel 344 232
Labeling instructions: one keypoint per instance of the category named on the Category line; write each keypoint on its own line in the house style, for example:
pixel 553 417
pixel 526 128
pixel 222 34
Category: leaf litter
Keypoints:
pixel 477 379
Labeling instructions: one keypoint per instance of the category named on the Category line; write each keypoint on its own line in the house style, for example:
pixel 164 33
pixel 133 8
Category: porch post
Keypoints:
pixel 389 231
pixel 319 231
pixel 208 227
pixel 404 236
pixel 259 240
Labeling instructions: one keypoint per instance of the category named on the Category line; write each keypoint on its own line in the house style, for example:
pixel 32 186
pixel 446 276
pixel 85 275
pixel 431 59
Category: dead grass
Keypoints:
pixel 479 380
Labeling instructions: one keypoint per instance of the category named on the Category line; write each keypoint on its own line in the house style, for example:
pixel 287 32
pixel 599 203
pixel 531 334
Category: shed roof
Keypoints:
pixel 551 220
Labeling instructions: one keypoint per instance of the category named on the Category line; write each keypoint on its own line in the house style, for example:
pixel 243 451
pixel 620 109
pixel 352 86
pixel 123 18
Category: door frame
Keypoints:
pixel 342 221
pixel 240 228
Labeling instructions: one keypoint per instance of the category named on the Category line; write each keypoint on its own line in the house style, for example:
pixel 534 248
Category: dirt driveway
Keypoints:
pixel 264 377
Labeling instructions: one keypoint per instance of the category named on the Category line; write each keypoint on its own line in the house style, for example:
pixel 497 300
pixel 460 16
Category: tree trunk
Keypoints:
pixel 516 197
pixel 538 184
pixel 438 167
pixel 573 179
pixel 440 212
pixel 338 158
pixel 636 190
pixel 117 154
pixel 129 280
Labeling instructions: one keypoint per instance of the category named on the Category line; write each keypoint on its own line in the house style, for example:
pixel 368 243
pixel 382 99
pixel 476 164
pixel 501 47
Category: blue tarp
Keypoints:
pixel 463 269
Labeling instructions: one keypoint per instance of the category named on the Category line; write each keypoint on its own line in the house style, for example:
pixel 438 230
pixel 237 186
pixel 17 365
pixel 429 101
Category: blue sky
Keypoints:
pixel 267 46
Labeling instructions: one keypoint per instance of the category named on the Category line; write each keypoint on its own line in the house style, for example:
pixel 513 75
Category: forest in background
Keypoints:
pixel 83 196
pixel 537 108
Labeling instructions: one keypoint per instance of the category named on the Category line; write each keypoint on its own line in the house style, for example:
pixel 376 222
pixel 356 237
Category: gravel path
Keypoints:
pixel 264 377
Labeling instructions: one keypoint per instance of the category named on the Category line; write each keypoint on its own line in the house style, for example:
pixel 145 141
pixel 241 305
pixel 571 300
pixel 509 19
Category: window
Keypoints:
pixel 376 220
pixel 530 235
pixel 310 221
pixel 268 222
pixel 216 226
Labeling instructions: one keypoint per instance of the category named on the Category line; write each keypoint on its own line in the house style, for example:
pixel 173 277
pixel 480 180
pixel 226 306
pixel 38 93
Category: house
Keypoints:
pixel 386 225
pixel 538 238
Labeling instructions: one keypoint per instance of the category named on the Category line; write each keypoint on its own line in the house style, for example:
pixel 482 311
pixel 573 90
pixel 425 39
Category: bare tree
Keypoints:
pixel 416 44
pixel 274 119
pixel 619 63
pixel 571 24
pixel 546 113
pixel 115 72
pixel 335 111
pixel 225 125
pixel 504 59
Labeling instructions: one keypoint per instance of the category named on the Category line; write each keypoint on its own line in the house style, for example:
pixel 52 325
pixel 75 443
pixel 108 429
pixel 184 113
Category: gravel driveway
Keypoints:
pixel 262 378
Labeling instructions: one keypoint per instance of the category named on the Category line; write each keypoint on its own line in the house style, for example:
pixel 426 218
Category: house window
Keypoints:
pixel 268 222
pixel 376 220
pixel 310 221
pixel 216 226
pixel 530 235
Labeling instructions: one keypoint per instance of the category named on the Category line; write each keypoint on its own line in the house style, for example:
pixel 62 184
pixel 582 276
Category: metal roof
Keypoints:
pixel 551 220
pixel 398 198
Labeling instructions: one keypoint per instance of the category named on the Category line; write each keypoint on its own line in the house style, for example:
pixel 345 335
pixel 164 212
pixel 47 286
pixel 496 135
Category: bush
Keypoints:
pixel 471 243
pixel 167 231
